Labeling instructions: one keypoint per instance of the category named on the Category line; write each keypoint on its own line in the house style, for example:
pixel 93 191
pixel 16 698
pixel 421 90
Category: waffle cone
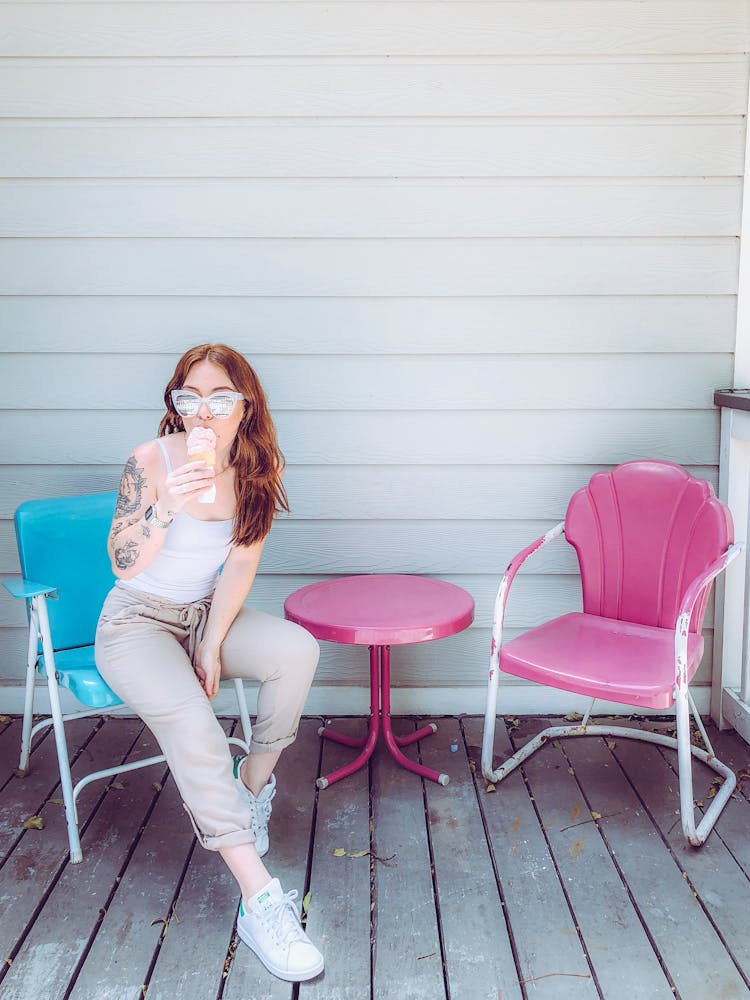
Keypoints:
pixel 209 457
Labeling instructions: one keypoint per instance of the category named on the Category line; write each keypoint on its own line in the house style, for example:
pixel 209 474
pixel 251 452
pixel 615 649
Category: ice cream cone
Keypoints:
pixel 200 449
pixel 209 457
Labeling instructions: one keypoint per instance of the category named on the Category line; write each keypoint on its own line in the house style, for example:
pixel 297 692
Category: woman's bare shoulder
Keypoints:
pixel 146 453
pixel 150 452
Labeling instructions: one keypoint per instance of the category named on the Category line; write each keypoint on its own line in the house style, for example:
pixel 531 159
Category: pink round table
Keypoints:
pixel 380 611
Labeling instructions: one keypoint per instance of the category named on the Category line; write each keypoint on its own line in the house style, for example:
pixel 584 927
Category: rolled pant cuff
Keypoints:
pixel 231 839
pixel 275 746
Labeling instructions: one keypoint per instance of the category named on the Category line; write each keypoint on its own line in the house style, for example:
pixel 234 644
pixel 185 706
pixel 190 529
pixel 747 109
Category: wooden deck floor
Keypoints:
pixel 570 880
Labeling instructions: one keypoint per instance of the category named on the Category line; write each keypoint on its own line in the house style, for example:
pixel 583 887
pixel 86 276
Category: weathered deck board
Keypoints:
pixel 290 836
pixel 10 738
pixel 712 871
pixel 39 856
pixel 733 825
pixel 407 961
pixel 525 886
pixel 193 954
pixel 688 945
pixel 624 962
pixel 60 935
pixel 24 797
pixel 339 916
pixel 470 908
pixel 137 915
pixel 550 956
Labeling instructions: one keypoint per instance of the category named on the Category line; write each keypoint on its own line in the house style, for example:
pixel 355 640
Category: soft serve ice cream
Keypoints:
pixel 201 446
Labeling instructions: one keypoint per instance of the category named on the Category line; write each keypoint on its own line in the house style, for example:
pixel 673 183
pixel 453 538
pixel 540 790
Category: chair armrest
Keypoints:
pixel 19 587
pixel 693 592
pixel 705 578
pixel 508 576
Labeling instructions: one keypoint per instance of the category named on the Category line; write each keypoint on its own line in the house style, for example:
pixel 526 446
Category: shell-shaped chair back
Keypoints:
pixel 642 532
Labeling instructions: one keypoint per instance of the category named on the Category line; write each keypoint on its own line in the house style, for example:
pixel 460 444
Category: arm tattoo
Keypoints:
pixel 131 489
pixel 122 525
pixel 127 555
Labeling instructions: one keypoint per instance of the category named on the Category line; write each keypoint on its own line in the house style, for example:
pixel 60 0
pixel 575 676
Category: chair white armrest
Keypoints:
pixel 693 592
pixel 508 576
pixel 497 635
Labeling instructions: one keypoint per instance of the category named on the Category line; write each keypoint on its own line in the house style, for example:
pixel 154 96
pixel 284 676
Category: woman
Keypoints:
pixel 173 626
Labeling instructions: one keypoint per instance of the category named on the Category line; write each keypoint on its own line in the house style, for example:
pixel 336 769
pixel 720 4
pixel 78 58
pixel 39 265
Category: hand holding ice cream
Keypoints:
pixel 201 446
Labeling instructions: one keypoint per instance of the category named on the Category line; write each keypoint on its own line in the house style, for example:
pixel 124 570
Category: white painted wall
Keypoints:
pixel 475 250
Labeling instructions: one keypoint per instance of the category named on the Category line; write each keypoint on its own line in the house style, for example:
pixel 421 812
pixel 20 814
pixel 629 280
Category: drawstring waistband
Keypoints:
pixel 193 617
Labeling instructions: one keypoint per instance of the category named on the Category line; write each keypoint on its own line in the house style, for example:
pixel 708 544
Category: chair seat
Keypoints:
pixel 601 657
pixel 77 671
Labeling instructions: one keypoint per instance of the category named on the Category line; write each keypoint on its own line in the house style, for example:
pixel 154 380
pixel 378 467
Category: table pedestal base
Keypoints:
pixel 380 710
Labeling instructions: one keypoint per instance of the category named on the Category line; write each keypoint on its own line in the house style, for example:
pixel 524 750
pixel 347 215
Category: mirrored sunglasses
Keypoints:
pixel 220 404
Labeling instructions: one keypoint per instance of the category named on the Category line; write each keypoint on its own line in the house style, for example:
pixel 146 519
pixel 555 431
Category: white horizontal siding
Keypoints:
pixel 310 28
pixel 335 267
pixel 107 88
pixel 476 251
pixel 496 381
pixel 366 492
pixel 545 147
pixel 528 437
pixel 311 325
pixel 325 208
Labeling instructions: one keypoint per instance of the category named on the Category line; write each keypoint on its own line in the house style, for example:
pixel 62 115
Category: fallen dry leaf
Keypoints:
pixel 338 852
pixel 490 787
pixel 34 823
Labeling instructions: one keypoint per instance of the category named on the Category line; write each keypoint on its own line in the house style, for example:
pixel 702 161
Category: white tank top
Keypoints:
pixel 187 566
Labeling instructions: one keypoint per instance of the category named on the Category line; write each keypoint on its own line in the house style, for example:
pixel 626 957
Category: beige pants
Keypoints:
pixel 144 650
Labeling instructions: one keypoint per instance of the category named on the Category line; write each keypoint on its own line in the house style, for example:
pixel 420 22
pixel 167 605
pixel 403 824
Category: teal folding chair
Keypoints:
pixel 62 547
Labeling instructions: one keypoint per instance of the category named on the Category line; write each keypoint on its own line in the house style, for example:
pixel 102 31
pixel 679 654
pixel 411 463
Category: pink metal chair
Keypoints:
pixel 650 539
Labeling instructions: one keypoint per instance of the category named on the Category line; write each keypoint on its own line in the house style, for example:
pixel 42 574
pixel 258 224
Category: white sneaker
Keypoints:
pixel 269 925
pixel 260 804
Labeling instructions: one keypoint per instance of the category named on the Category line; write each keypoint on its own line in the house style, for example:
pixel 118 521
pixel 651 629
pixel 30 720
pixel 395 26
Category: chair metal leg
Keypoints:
pixel 66 781
pixel 695 835
pixel 247 731
pixel 28 708
pixel 63 760
pixel 490 717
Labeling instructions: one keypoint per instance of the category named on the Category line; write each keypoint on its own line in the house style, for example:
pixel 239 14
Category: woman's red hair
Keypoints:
pixel 255 455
